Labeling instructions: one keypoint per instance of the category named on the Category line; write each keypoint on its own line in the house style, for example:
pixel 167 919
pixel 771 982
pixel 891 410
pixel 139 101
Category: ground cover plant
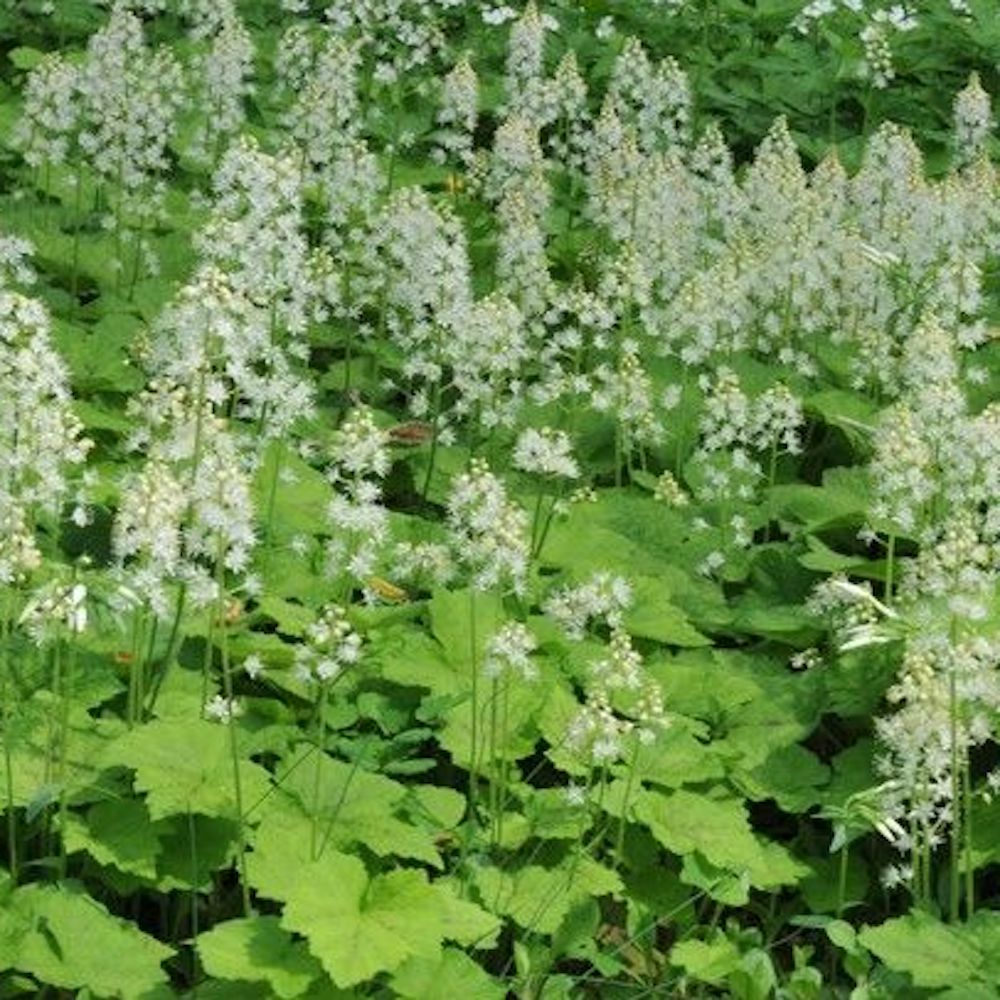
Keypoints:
pixel 499 502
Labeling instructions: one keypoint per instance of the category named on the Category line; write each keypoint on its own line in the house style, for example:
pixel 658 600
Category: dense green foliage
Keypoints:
pixel 547 547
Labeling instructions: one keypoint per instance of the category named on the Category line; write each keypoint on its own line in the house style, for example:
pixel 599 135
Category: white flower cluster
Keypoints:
pixel 224 72
pixel 458 113
pixel 603 598
pixel 361 459
pixel 488 531
pixel 57 609
pixel 130 97
pixel 41 439
pixel 878 23
pixel 621 702
pixel 509 651
pixel 545 452
pixel 973 120
pixel 50 112
pixel 331 647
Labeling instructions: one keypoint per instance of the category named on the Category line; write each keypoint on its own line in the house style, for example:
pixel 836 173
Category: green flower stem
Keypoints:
pixel 842 879
pixel 335 813
pixel 473 659
pixel 74 280
pixel 504 730
pixel 890 566
pixel 970 875
pixel 7 698
pixel 321 701
pixel 70 674
pixel 956 793
pixel 227 686
pixel 435 433
pixel 493 762
pixel 622 820
pixel 193 858
pixel 199 444
pixel 272 497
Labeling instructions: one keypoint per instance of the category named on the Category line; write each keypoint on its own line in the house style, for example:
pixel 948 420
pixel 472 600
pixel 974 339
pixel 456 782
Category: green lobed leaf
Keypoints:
pixel 255 949
pixel 185 765
pixel 69 940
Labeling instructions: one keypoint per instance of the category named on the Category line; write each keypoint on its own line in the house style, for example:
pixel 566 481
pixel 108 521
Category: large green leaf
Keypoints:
pixel 186 765
pixel 932 953
pixel 69 940
pixel 355 806
pixel 454 974
pixel 718 828
pixel 357 925
pixel 118 834
pixel 257 948
pixel 538 899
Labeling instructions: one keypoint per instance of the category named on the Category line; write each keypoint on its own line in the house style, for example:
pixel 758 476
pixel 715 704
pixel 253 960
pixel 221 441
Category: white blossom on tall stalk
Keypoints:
pixel 546 455
pixel 625 391
pixel 324 116
pixel 15 267
pixel 517 164
pixel 488 530
pixel 973 121
pixel 655 99
pixel 775 184
pixel 568 136
pixel 49 113
pixel 360 461
pixel 400 36
pixel 224 74
pixel 421 291
pixel 458 114
pixel 206 18
pixel 485 355
pixel 130 99
pixel 295 56
pixel 184 439
pixel 602 599
pixel 713 174
pixel 352 185
pixel 920 465
pixel 509 651
pixel 621 702
pixel 219 344
pixel 527 91
pixel 147 534
pixel 42 439
pixel 660 221
pixel 578 327
pixel 545 452
pixel 614 167
pixel 522 266
pixel 331 646
pixel 56 610
pixel 254 231
pixel 943 704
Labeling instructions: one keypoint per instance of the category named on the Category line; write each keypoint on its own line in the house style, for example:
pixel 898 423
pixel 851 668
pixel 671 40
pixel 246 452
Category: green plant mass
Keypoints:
pixel 499 500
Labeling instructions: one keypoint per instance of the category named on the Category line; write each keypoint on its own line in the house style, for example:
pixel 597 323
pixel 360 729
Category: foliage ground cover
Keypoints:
pixel 499 502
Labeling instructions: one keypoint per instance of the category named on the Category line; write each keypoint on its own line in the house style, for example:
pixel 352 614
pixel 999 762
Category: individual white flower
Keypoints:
pixel 253 666
pixel 223 710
